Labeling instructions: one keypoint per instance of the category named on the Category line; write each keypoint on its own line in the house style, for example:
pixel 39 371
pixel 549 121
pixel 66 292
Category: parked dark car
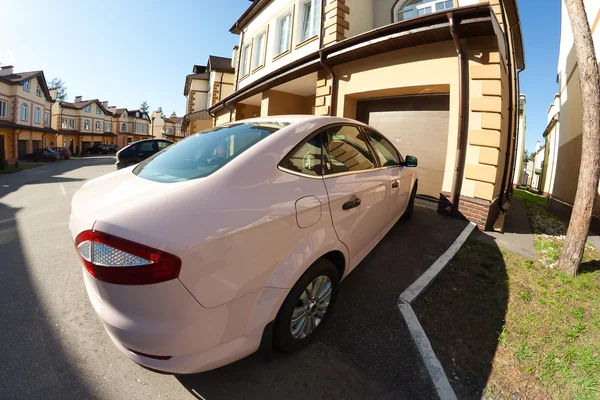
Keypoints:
pixel 139 151
pixel 43 155
pixel 97 149
pixel 63 152
pixel 112 148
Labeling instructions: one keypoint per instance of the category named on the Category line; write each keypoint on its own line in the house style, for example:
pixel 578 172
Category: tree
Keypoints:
pixel 61 89
pixel 159 109
pixel 144 107
pixel 589 171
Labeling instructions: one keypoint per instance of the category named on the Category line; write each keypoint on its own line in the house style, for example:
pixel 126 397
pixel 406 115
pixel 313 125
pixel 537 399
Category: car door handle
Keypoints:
pixel 351 204
pixel 395 185
pixel 140 154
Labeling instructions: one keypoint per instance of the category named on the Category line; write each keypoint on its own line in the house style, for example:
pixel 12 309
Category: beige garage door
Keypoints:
pixel 417 126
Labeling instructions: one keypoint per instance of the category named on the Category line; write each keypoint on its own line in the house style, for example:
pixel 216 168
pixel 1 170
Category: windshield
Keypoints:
pixel 203 153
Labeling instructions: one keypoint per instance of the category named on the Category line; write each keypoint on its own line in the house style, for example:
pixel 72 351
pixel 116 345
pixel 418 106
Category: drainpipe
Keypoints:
pixel 240 53
pixel 334 84
pixel 459 163
pixel 230 111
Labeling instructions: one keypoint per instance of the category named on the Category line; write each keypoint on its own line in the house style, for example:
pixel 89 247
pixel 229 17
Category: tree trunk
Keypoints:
pixel 589 172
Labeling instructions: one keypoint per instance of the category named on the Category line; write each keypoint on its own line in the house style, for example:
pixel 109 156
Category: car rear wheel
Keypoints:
pixel 307 307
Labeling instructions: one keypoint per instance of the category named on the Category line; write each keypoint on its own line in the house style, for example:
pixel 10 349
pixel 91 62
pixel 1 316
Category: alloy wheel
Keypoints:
pixel 311 307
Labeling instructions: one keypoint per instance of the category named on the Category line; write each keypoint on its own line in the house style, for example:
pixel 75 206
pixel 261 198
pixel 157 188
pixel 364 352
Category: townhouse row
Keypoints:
pixel 439 78
pixel 32 118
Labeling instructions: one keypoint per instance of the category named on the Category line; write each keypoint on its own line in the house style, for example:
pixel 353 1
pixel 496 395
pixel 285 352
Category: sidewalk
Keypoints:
pixel 517 236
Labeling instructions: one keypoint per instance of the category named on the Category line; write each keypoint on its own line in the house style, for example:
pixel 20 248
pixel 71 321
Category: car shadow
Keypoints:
pixel 34 364
pixel 463 314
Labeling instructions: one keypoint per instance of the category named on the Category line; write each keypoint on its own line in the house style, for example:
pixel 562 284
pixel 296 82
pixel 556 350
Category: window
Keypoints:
pixel 309 19
pixel 123 127
pixel 258 60
pixel 169 131
pixel 346 151
pixel 98 110
pixel 202 155
pixel 145 116
pixel 26 85
pixel 414 8
pixel 246 60
pixel 3 109
pixel 38 92
pixel 24 112
pixel 86 125
pixel 46 118
pixel 107 127
pixel 163 145
pixel 308 159
pixel 98 126
pixel 283 34
pixel 37 115
pixel 124 115
pixel 72 123
pixel 137 114
pixel 88 108
pixel 384 150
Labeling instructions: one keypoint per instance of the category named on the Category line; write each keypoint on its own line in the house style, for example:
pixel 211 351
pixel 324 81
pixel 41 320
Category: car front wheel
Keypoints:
pixel 307 307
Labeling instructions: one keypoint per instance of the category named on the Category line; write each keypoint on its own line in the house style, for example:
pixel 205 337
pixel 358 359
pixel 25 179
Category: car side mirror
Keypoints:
pixel 411 161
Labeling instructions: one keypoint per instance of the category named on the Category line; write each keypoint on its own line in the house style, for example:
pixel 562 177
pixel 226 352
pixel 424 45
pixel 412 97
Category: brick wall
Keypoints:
pixel 482 212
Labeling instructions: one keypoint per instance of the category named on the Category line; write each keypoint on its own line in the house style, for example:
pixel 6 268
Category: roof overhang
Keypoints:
pixel 512 10
pixel 251 12
pixel 12 125
pixel 551 124
pixel 475 20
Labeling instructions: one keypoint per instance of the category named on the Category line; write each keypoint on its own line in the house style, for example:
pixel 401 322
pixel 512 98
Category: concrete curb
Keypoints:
pixel 432 364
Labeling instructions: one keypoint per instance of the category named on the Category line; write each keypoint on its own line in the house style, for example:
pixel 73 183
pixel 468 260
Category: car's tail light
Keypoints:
pixel 115 260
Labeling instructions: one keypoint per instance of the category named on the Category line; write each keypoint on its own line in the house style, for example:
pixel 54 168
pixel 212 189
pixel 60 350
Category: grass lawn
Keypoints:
pixel 527 195
pixel 511 327
pixel 11 168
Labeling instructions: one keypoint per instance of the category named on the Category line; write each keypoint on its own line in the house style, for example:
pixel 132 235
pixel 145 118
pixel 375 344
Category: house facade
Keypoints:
pixel 168 127
pixel 82 124
pixel 520 149
pixel 439 78
pixel 130 125
pixel 206 86
pixel 564 132
pixel 25 109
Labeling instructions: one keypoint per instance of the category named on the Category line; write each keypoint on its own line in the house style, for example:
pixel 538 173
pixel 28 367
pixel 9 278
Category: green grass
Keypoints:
pixel 11 168
pixel 527 195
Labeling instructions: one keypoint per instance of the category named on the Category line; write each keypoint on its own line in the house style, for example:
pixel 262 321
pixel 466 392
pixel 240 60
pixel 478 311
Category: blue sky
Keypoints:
pixel 131 51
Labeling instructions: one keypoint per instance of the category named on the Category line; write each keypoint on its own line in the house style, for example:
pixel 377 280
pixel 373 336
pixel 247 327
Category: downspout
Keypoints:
pixel 462 123
pixel 230 111
pixel 322 60
pixel 510 137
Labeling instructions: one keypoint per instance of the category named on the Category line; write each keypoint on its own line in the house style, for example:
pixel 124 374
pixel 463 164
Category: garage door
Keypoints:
pixel 417 126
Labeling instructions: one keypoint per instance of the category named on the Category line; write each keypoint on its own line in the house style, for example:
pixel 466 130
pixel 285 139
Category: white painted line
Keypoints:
pixel 423 282
pixel 432 364
pixel 62 188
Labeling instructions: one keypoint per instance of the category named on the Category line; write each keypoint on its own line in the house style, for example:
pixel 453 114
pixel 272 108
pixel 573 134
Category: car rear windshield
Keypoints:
pixel 203 153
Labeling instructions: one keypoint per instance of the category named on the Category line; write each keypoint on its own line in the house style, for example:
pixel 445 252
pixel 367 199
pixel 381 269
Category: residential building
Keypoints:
pixel 536 167
pixel 130 125
pixel 25 106
pixel 564 131
pixel 551 139
pixel 168 127
pixel 82 124
pixel 204 87
pixel 439 78
pixel 520 140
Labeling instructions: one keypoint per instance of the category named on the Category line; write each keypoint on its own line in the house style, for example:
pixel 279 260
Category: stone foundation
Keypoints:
pixel 482 212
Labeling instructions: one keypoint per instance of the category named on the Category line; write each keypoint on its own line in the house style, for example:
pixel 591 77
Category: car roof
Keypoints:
pixel 294 119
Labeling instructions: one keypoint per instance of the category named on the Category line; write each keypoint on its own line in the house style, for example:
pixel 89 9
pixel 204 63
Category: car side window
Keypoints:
pixel 386 152
pixel 146 146
pixel 308 159
pixel 346 150
pixel 163 145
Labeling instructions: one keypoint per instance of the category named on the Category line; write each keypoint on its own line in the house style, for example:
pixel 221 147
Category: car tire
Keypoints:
pixel 316 305
pixel 411 203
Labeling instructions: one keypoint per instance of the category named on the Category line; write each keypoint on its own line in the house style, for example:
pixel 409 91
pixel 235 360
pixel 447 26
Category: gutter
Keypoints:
pixel 459 162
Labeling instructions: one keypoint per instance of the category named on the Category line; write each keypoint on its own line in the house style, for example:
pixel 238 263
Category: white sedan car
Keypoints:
pixel 241 231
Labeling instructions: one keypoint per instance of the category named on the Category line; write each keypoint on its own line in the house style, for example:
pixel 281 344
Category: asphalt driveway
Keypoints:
pixel 53 346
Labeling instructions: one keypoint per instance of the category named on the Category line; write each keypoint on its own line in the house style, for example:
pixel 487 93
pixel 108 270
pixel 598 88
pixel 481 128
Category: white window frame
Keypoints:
pixel 123 127
pixel 26 86
pixel 432 6
pixel 86 125
pixel 98 110
pixel 88 108
pixel 3 108
pixel 124 115
pixel 37 115
pixel 46 118
pixel 137 114
pixel 281 36
pixel 107 127
pixel 38 92
pixel 259 50
pixel 98 126
pixel 24 112
pixel 313 20
pixel 246 55
pixel 72 123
